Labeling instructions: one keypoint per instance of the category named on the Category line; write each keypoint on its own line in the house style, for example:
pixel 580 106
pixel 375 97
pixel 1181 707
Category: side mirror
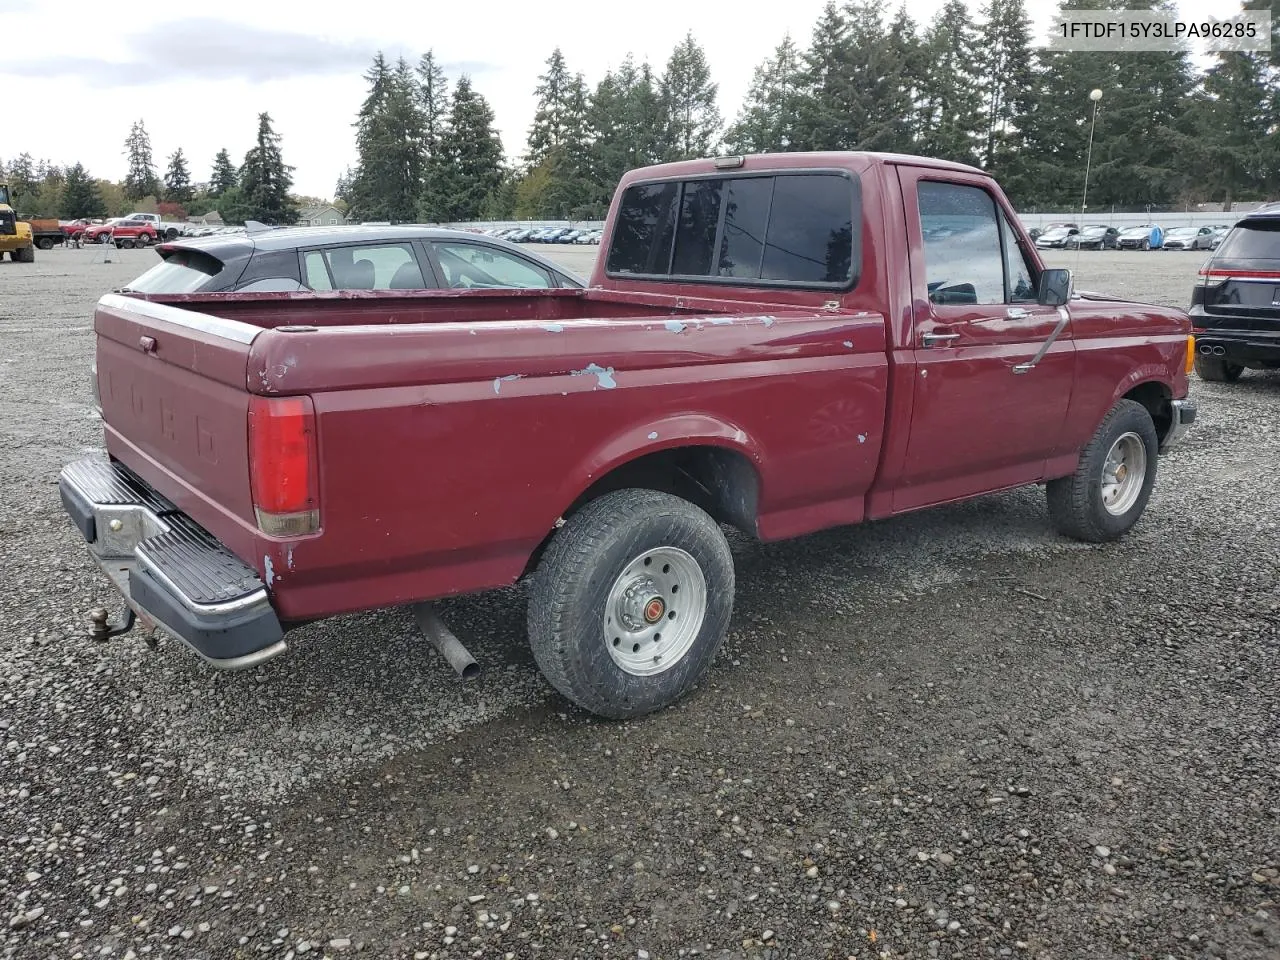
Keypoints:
pixel 1055 288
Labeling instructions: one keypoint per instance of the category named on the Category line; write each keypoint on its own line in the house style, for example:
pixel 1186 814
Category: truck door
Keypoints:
pixel 980 420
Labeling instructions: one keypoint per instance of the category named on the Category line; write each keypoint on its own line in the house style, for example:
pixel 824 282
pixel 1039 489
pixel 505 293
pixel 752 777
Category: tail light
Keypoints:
pixel 282 465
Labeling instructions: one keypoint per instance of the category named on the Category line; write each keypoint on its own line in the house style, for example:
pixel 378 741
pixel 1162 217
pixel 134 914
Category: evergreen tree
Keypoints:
pixel 177 180
pixel 80 195
pixel 627 127
pixel 767 121
pixel 893 113
pixel 823 122
pixel 1004 72
pixel 689 96
pixel 23 182
pixel 558 140
pixel 224 175
pixel 265 179
pixel 551 118
pixel 141 180
pixel 433 106
pixel 472 157
pixel 1238 118
pixel 950 101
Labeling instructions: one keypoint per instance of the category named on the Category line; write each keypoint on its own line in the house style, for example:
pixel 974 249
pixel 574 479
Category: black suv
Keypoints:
pixel 1235 306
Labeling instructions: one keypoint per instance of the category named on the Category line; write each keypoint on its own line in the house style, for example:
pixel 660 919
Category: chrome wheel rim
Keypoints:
pixel 655 610
pixel 1123 474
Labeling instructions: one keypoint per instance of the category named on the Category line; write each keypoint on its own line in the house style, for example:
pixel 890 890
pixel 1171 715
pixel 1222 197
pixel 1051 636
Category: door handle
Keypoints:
pixel 933 339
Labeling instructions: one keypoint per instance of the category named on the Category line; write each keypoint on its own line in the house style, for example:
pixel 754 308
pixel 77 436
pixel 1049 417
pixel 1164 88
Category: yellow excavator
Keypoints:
pixel 15 236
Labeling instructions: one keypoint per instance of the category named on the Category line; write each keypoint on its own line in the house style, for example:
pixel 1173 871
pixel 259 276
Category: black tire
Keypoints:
pixel 1076 506
pixel 44 243
pixel 25 255
pixel 1217 369
pixel 125 244
pixel 143 240
pixel 104 238
pixel 1146 244
pixel 575 579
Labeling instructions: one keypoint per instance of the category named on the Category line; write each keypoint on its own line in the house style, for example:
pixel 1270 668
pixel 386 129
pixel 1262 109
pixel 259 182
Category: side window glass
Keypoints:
pixel 1022 287
pixel 317 274
pixel 474 265
pixel 385 266
pixel 962 259
pixel 645 224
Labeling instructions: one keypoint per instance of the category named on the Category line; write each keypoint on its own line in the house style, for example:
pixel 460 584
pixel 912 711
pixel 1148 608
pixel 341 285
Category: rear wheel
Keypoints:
pixel 24 255
pixel 126 243
pixel 1217 369
pixel 1112 483
pixel 44 243
pixel 631 602
pixel 143 240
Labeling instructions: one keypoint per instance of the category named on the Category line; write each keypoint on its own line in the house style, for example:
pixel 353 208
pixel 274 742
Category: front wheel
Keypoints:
pixel 1217 369
pixel 631 602
pixel 1112 483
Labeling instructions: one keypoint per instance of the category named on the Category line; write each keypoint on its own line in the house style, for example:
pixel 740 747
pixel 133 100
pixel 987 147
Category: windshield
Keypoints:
pixel 1137 231
pixel 1259 240
pixel 4 194
pixel 1055 232
pixel 1182 232
pixel 183 271
pixel 1094 231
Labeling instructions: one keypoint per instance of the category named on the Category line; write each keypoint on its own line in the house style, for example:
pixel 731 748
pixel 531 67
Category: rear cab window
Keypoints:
pixel 775 229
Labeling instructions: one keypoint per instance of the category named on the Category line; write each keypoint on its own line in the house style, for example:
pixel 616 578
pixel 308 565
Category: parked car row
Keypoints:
pixel 1146 236
pixel 545 235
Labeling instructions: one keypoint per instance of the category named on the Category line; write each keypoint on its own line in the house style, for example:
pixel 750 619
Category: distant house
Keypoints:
pixel 326 216
pixel 211 219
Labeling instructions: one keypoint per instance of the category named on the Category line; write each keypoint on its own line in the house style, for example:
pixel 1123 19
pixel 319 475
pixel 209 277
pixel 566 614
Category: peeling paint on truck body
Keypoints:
pixel 437 476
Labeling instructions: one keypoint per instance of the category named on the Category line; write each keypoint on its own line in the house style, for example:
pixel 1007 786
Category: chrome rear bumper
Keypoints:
pixel 171 572
pixel 1184 414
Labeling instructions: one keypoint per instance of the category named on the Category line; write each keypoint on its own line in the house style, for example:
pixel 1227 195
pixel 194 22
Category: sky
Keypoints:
pixel 77 73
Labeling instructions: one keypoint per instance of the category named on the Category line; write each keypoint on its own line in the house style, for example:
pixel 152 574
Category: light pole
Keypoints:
pixel 1094 95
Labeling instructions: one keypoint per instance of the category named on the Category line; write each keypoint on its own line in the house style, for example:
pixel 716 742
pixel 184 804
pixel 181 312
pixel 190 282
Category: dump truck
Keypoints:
pixel 15 236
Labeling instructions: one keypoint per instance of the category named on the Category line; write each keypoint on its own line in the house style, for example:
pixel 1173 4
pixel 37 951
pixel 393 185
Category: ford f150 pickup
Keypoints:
pixel 780 343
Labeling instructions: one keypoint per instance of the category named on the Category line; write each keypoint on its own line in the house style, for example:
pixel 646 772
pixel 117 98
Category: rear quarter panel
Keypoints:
pixel 447 453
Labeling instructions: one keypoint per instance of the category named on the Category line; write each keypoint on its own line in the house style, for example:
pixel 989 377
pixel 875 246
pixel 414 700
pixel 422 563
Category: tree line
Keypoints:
pixel 965 86
pixel 257 189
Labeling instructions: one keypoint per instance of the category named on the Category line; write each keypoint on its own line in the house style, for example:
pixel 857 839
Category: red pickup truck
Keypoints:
pixel 781 343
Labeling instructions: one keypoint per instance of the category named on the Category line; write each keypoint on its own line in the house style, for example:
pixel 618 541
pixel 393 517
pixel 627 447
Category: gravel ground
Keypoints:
pixel 952 734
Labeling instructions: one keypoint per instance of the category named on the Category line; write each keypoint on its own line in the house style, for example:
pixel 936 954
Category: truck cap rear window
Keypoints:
pixel 181 271
pixel 779 229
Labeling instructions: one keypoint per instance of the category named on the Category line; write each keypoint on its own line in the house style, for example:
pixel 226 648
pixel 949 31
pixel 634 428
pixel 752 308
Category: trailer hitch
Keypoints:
pixel 101 630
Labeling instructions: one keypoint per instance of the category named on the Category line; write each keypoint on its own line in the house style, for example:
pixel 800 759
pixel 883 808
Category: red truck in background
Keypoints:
pixel 782 343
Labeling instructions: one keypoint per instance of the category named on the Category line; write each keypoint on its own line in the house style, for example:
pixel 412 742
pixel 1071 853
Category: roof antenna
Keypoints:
pixel 1095 95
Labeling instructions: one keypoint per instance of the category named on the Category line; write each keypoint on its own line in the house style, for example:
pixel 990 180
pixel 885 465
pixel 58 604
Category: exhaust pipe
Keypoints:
pixel 1219 351
pixel 442 638
pixel 1206 349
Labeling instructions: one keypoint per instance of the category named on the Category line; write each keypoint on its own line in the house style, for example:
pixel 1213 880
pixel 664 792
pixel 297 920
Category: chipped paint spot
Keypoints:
pixel 654 435
pixel 720 321
pixel 675 326
pixel 472 331
pixel 862 438
pixel 498 381
pixel 767 321
pixel 849 344
pixel 740 436
pixel 289 557
pixel 603 375
pixel 268 570
pixel 553 327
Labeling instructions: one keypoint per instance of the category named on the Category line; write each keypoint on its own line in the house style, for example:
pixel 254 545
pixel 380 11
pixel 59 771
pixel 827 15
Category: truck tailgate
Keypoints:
pixel 174 400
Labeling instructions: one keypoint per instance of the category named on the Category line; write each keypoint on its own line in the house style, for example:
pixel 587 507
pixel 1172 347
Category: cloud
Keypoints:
pixel 209 49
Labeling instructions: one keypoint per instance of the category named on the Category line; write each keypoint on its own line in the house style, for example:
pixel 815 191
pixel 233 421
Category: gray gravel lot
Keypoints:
pixel 953 734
